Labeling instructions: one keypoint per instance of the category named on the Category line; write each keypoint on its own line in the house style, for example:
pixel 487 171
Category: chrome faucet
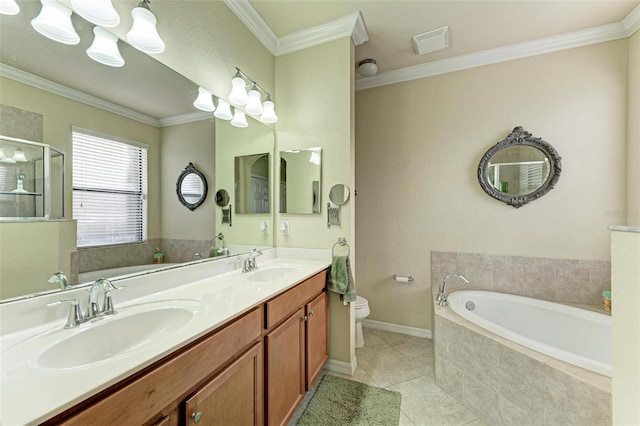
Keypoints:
pixel 249 261
pixel 441 298
pixel 105 287
pixel 75 317
pixel 61 279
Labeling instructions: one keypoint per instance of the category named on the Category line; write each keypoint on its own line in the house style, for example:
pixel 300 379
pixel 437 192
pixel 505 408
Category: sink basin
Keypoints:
pixel 136 327
pixel 275 273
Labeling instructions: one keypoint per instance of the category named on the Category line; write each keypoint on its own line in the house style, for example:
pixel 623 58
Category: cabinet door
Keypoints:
pixel 317 343
pixel 284 347
pixel 233 397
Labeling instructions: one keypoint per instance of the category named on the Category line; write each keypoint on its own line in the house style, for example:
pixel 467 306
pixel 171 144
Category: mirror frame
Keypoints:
pixel 186 172
pixel 517 137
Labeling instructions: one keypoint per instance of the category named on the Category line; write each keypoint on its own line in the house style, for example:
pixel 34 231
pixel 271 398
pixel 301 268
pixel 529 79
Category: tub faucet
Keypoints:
pixel 441 298
pixel 61 279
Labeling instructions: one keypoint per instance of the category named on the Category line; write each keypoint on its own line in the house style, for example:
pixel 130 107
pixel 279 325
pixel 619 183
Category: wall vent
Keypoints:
pixel 431 40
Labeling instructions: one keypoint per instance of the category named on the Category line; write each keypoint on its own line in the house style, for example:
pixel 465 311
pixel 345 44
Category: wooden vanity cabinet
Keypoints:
pixel 296 346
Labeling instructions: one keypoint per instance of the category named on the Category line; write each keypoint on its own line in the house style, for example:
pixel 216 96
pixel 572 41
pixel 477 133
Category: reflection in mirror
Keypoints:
pixel 222 197
pixel 191 187
pixel 339 194
pixel 253 192
pixel 519 169
pixel 131 102
pixel 300 181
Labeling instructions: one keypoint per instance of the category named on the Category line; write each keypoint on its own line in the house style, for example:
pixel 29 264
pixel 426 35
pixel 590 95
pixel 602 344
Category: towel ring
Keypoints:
pixel 342 242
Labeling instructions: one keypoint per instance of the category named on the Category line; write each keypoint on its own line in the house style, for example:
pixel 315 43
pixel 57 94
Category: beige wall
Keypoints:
pixel 633 147
pixel 315 110
pixel 417 152
pixel 183 144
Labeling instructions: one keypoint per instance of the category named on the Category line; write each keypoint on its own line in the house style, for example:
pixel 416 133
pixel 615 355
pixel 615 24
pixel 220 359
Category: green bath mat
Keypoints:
pixel 343 402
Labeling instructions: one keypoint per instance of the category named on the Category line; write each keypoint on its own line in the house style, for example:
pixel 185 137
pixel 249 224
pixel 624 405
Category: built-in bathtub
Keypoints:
pixel 517 360
pixel 85 277
pixel 577 336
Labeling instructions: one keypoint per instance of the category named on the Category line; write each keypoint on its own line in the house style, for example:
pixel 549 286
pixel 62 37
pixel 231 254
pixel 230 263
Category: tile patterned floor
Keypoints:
pixel 405 364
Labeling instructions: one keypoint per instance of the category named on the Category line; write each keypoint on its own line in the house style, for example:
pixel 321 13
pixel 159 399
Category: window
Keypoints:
pixel 109 189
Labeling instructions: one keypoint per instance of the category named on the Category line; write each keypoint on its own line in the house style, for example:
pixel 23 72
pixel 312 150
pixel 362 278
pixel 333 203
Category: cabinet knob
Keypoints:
pixel 304 318
pixel 197 416
pixel 312 313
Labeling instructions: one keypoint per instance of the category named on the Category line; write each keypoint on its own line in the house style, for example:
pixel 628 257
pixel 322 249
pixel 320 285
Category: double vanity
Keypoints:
pixel 203 344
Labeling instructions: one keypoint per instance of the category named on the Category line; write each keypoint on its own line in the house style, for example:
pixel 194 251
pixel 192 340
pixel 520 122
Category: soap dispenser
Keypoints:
pixel 158 257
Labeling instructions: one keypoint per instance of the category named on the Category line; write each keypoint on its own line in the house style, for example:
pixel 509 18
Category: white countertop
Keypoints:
pixel 30 394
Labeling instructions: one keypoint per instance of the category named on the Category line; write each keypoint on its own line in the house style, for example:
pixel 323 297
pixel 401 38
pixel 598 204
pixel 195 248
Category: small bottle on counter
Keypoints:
pixel 606 300
pixel 158 257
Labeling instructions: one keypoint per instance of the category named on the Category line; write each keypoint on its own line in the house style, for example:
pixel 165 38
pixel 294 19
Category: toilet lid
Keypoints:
pixel 361 302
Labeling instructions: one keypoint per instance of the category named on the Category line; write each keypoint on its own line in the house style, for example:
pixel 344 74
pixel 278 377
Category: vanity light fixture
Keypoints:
pixel 19 156
pixel 54 22
pixel 224 110
pixel 104 48
pixel 238 95
pixel 5 159
pixel 99 12
pixel 254 106
pixel 9 7
pixel 204 101
pixel 143 34
pixel 239 119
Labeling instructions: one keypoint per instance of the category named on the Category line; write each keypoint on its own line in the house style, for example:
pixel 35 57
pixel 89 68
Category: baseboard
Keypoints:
pixel 341 366
pixel 397 328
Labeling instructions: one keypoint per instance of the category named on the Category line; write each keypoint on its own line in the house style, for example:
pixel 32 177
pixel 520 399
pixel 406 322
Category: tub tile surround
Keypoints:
pixel 557 280
pixel 508 384
pixel 504 382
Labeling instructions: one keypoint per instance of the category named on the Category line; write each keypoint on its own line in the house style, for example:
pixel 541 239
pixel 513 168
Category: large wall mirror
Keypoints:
pixel 300 181
pixel 132 102
pixel 519 169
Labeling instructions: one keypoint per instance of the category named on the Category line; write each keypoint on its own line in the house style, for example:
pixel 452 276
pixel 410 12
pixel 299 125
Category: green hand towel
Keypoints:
pixel 341 278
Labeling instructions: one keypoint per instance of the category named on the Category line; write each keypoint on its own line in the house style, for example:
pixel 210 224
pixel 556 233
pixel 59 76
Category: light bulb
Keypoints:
pixel 104 48
pixel 99 12
pixel 18 155
pixel 54 22
pixel 204 101
pixel 269 114
pixel 239 119
pixel 238 95
pixel 9 7
pixel 223 111
pixel 143 34
pixel 254 105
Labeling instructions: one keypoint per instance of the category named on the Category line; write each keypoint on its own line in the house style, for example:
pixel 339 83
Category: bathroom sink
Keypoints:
pixel 270 274
pixel 135 327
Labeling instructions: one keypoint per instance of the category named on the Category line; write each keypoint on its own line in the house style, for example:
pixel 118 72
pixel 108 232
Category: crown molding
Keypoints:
pixel 527 49
pixel 185 118
pixel 254 22
pixel 76 95
pixel 632 21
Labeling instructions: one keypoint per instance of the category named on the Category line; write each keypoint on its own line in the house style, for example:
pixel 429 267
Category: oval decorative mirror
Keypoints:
pixel 519 169
pixel 339 194
pixel 222 197
pixel 191 187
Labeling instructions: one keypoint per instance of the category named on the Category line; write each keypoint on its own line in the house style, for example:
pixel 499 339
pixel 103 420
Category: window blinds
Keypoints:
pixel 109 190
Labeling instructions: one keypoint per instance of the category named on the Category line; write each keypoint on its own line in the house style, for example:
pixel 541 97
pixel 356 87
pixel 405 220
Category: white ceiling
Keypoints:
pixel 474 25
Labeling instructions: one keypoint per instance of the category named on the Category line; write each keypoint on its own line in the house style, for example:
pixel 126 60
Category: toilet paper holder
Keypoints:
pixel 403 279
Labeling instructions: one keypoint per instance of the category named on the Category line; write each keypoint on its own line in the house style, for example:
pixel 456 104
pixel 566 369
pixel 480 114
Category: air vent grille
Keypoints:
pixel 431 41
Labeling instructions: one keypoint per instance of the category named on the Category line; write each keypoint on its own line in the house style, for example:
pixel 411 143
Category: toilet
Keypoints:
pixel 362 311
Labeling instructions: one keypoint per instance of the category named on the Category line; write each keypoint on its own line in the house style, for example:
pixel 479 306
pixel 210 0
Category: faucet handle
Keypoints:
pixel 75 317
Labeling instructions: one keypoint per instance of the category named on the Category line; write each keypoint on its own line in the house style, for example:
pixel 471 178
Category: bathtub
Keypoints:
pixel 573 335
pixel 85 277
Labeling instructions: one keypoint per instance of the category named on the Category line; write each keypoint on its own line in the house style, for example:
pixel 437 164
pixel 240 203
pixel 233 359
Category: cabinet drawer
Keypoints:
pixel 283 305
pixel 146 397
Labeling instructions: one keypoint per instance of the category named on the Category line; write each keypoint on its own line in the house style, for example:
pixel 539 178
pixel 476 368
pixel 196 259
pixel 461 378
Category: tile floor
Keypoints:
pixel 405 364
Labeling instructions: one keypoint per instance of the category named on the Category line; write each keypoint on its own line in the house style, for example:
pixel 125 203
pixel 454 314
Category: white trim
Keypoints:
pixel 76 95
pixel 351 25
pixel 341 366
pixel 632 21
pixel 397 328
pixel 185 118
pixel 526 49
pixel 254 22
